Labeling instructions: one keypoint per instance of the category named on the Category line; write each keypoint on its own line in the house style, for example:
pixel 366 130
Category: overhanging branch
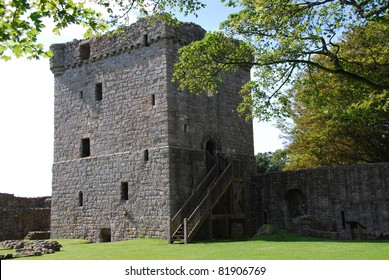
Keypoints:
pixel 338 71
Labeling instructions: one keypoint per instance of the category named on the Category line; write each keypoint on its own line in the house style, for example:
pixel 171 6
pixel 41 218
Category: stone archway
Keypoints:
pixel 296 203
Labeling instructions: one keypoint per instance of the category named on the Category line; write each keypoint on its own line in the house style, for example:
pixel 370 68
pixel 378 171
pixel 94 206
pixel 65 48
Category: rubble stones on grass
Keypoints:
pixel 6 257
pixel 31 248
pixel 266 229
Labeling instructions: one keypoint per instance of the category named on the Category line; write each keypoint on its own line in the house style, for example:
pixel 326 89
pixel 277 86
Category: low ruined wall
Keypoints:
pixel 20 215
pixel 349 202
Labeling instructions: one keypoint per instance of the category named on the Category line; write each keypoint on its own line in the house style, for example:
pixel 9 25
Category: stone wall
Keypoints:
pixel 20 215
pixel 197 120
pixel 349 202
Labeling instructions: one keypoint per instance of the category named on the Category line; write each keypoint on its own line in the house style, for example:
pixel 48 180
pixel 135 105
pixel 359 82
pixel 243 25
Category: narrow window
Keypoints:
pixel 85 147
pixel 343 219
pixel 146 155
pixel 185 128
pixel 80 199
pixel 81 94
pixel 153 99
pixel 84 51
pixel 124 191
pixel 146 40
pixel 99 92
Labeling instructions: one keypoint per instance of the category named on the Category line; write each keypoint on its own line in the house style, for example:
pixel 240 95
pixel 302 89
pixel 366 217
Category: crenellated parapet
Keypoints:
pixel 138 35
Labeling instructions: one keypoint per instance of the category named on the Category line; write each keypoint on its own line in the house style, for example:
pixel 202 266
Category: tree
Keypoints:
pixel 340 121
pixel 279 39
pixel 276 38
pixel 271 161
pixel 21 21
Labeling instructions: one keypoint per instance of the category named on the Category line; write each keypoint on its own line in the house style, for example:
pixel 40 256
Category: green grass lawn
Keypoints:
pixel 281 246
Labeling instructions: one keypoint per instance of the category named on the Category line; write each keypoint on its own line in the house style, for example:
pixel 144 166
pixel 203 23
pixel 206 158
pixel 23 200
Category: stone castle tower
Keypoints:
pixel 131 151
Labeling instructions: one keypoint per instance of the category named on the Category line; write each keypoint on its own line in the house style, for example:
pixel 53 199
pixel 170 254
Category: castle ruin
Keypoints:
pixel 21 215
pixel 136 157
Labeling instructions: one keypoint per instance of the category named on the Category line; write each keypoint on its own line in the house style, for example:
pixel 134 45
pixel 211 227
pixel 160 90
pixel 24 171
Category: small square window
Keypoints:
pixel 85 147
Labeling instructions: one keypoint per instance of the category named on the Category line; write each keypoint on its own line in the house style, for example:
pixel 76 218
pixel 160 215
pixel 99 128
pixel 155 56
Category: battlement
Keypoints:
pixel 138 35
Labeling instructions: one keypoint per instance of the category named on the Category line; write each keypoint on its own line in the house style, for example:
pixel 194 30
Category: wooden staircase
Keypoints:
pixel 188 220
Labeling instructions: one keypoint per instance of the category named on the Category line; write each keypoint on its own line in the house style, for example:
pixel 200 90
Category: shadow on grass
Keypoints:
pixel 285 236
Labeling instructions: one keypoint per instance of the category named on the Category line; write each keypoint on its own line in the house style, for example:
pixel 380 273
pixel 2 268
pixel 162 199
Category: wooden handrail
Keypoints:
pixel 213 195
pixel 197 217
pixel 221 185
pixel 204 197
pixel 192 201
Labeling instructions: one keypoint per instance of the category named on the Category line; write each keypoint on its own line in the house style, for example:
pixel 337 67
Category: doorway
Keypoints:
pixel 210 154
pixel 105 235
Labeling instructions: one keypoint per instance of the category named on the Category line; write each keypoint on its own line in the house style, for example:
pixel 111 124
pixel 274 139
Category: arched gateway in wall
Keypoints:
pixel 296 203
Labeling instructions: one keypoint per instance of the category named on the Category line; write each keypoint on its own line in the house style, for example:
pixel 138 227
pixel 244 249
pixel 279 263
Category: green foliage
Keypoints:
pixel 271 162
pixel 340 121
pixel 280 39
pixel 205 61
pixel 22 21
pixel 280 246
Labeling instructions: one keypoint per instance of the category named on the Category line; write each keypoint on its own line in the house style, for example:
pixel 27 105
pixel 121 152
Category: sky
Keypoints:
pixel 27 120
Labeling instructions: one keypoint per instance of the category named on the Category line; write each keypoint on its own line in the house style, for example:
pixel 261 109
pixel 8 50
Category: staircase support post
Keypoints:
pixel 169 232
pixel 210 226
pixel 185 231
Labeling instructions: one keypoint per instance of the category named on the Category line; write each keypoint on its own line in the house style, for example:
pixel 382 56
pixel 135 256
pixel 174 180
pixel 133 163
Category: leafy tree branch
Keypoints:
pixel 281 35
pixel 22 21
